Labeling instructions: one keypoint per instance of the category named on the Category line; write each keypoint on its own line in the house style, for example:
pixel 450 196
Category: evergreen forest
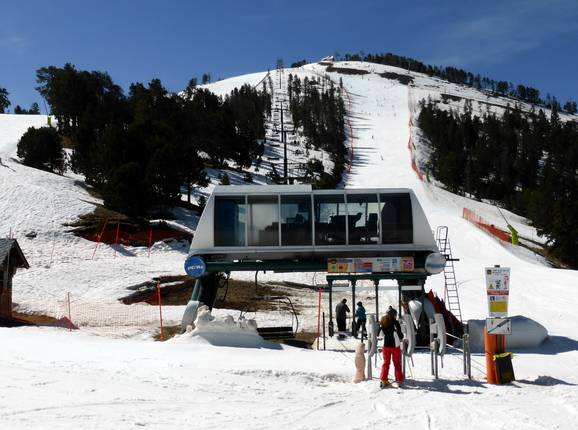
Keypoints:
pixel 462 77
pixel 318 110
pixel 526 162
pixel 141 149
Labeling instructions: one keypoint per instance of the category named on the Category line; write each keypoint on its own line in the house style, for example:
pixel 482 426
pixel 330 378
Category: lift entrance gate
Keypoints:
pixel 405 282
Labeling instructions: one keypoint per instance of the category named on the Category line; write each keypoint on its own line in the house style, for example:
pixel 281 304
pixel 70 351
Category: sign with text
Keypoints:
pixel 340 265
pixel 195 266
pixel 498 290
pixel 370 265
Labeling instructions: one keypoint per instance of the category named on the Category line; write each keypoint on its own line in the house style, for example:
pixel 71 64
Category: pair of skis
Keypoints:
pixel 384 385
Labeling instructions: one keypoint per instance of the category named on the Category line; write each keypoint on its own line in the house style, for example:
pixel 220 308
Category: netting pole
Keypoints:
pixel 318 318
pixel 150 240
pixel 160 309
pixel 69 315
pixel 116 237
pixel 99 237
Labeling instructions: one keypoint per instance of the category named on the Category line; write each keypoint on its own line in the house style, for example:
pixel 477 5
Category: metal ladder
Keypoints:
pixel 451 295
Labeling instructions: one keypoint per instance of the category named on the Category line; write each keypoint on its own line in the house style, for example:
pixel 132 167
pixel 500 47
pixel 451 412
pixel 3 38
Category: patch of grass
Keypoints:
pixel 240 295
pixel 93 220
pixel 402 79
pixel 447 97
pixel 168 332
pixel 346 70
pixel 36 319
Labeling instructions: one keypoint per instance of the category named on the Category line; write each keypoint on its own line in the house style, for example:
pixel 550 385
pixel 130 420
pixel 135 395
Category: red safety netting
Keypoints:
pixel 112 233
pixel 413 163
pixel 410 144
pixel 482 224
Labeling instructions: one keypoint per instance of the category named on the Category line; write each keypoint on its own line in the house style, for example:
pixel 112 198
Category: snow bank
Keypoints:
pixel 526 333
pixel 224 331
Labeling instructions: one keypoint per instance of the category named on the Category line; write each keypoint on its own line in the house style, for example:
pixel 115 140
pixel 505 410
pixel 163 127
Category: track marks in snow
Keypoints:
pixel 318 379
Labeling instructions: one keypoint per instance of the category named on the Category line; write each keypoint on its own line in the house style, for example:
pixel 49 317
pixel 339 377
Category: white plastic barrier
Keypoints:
pixel 190 314
pixel 440 331
pixel 372 332
pixel 409 333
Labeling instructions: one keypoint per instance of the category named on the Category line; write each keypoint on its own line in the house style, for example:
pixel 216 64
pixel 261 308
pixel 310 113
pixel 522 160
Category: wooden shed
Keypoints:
pixel 11 259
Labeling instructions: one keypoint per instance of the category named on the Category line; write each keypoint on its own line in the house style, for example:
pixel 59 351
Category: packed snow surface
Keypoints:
pixel 53 378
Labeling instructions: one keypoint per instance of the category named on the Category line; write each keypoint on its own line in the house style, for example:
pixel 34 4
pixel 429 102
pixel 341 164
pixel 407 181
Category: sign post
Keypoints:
pixel 498 324
pixel 498 289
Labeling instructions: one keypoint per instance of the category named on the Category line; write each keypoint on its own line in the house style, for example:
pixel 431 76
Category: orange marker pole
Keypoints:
pixel 69 314
pixel 99 238
pixel 160 309
pixel 150 240
pixel 116 238
pixel 494 344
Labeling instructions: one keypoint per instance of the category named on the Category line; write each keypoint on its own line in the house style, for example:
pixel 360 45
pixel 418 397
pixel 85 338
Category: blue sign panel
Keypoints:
pixel 195 266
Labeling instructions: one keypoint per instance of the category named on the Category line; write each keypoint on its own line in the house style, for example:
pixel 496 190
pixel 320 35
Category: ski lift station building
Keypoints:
pixel 351 233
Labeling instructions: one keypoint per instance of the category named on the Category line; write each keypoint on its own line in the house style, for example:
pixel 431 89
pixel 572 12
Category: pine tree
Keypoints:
pixel 42 148
pixel 34 109
pixel 4 101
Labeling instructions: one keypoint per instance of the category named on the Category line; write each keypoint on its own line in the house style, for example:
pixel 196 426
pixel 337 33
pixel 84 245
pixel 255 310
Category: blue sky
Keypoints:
pixel 532 42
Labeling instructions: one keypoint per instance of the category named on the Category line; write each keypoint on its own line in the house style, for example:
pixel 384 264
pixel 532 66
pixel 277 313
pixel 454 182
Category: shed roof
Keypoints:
pixel 10 246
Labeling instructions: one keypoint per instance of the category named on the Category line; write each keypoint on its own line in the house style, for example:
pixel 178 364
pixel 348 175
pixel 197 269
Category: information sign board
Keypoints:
pixel 370 265
pixel 498 290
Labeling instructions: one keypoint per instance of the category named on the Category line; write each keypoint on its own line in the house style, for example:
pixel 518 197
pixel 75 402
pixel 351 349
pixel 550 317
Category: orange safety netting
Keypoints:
pixel 92 315
pixel 482 224
pixel 413 163
pixel 411 146
pixel 111 233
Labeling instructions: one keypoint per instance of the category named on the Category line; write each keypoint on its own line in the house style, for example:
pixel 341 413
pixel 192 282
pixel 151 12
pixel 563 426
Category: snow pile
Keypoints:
pixel 526 334
pixel 224 331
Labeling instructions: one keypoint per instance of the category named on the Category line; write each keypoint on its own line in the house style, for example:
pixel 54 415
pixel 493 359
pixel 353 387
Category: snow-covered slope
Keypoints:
pixel 12 127
pixel 70 380
pixel 381 113
pixel 39 204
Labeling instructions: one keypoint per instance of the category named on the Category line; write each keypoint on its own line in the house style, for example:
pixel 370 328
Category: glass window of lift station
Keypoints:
pixel 263 221
pixel 396 218
pixel 296 228
pixel 363 218
pixel 230 221
pixel 330 218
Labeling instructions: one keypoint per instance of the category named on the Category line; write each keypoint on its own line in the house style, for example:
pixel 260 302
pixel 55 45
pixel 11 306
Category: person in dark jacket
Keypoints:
pixel 361 319
pixel 341 311
pixel 390 327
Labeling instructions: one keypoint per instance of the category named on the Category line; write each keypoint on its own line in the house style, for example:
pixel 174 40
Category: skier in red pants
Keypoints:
pixel 390 327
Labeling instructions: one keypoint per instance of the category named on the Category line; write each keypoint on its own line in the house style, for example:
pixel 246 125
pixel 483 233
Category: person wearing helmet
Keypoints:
pixel 391 329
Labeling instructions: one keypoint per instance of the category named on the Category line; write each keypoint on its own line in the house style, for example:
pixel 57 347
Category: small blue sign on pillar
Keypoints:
pixel 195 266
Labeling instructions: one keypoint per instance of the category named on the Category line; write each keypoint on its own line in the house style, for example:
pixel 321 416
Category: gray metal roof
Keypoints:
pixel 9 245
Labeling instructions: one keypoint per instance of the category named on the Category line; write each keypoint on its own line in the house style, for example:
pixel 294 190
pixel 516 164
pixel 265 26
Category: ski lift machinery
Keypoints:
pixel 351 234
